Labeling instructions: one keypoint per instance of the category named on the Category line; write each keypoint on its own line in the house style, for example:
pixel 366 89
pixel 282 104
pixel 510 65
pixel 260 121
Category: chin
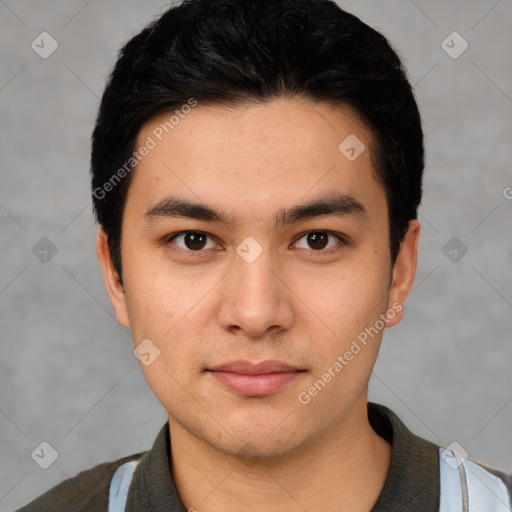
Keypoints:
pixel 251 449
pixel 258 441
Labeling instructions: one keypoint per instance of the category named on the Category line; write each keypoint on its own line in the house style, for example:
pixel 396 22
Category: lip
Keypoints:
pixel 255 379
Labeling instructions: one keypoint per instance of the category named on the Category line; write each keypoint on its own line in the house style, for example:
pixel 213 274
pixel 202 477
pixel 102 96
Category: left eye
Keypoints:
pixel 318 240
pixel 193 241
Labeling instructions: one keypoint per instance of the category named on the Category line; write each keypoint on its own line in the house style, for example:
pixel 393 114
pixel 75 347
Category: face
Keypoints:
pixel 255 258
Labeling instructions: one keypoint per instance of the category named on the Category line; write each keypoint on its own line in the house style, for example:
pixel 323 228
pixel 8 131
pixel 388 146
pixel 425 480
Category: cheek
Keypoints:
pixel 351 299
pixel 351 304
pixel 158 302
pixel 352 307
pixel 169 311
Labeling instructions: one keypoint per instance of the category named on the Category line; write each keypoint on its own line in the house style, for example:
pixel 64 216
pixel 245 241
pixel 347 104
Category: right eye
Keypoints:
pixel 192 241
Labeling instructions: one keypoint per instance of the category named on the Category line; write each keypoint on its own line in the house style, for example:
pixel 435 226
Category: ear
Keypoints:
pixel 404 271
pixel 113 285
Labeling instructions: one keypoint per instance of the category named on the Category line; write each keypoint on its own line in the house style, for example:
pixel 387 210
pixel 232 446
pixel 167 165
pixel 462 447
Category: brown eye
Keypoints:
pixel 194 241
pixel 317 240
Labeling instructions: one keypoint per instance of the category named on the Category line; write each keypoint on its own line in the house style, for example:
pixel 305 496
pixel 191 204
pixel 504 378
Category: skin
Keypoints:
pixel 295 303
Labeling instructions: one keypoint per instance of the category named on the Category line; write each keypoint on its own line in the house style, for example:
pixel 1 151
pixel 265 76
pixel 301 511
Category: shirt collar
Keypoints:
pixel 413 478
pixel 412 482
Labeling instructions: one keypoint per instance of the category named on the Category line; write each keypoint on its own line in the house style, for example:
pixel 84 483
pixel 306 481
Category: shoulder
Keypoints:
pixel 422 472
pixel 86 492
pixel 488 478
pixel 506 477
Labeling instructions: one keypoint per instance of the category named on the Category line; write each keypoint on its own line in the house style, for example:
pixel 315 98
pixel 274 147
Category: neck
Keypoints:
pixel 344 470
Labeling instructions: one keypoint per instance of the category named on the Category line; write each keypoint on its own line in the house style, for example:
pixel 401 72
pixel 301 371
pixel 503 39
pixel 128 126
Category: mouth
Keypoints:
pixel 255 379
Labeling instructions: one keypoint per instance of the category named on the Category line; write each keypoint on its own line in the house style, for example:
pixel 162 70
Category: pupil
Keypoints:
pixel 195 240
pixel 317 240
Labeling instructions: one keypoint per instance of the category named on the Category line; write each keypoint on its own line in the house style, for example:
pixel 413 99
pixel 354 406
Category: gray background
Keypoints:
pixel 68 375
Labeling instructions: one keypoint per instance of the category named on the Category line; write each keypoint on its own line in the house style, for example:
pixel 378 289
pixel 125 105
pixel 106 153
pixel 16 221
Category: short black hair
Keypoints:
pixel 232 52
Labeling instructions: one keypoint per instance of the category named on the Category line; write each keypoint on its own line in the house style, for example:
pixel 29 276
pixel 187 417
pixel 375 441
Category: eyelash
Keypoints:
pixel 339 237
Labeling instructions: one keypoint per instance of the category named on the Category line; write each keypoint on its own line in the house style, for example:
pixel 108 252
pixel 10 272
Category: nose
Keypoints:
pixel 256 299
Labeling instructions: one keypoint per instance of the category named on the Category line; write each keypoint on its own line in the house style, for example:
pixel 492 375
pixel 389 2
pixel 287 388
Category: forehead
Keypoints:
pixel 274 154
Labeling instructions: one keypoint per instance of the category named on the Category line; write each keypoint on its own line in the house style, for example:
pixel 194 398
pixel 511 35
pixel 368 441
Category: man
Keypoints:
pixel 256 174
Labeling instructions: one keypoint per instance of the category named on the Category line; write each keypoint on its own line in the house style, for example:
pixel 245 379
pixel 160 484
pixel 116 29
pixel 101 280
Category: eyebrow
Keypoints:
pixel 338 204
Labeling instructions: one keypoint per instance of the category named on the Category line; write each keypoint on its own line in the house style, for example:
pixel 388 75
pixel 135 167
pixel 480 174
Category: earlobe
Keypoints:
pixel 404 271
pixel 113 285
